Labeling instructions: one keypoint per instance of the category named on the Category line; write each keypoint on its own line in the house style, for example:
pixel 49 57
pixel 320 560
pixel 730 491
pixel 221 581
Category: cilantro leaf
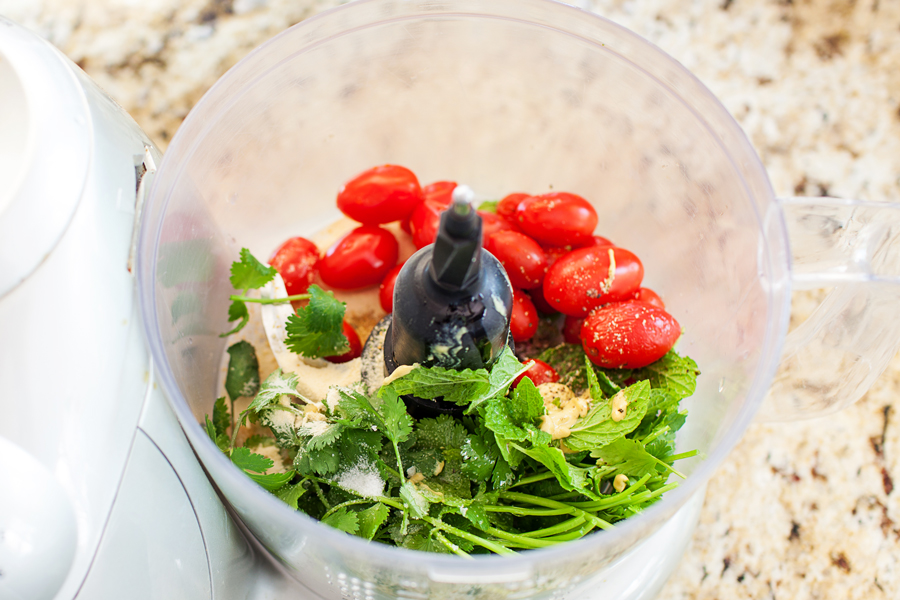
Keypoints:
pixel 250 274
pixel 414 500
pixel 317 329
pixel 320 461
pixel 441 432
pixel 276 385
pixel 322 437
pixel 220 418
pixel 572 478
pixel 243 371
pixel 237 310
pixel 357 409
pixel 250 461
pixel 459 387
pixel 627 456
pixel 371 519
pixel 290 494
pixel 273 481
pixel 343 519
pixel 597 428
pixel 674 373
pixel 397 422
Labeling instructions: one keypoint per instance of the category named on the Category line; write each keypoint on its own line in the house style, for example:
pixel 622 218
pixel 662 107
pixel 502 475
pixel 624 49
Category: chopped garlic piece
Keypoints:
pixel 620 482
pixel 619 405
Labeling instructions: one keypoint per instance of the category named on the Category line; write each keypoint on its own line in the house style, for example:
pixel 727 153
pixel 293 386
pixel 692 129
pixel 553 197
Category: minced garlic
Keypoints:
pixel 619 406
pixel 620 482
pixel 563 408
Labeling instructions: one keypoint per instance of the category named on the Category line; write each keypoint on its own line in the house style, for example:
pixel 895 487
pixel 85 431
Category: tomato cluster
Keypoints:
pixel 545 242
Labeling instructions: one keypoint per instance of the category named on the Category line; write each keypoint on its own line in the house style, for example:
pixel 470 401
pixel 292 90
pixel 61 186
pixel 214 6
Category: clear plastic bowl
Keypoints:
pixel 507 95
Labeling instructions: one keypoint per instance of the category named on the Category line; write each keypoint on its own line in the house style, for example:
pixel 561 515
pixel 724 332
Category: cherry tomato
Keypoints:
pixel 553 254
pixel 581 280
pixel 572 329
pixel 628 335
pixel 540 303
pixel 597 240
pixel 404 225
pixel 380 195
pixel 386 289
pixel 506 208
pixel 359 259
pixel 295 260
pixel 425 218
pixel 538 372
pixel 355 346
pixel 492 223
pixel 521 256
pixel 650 297
pixel 557 219
pixel 523 321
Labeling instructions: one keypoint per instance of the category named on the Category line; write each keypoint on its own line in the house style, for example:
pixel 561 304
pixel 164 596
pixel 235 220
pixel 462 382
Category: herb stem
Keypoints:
pixel 451 546
pixel 675 457
pixel 534 478
pixel 538 501
pixel 655 435
pixel 347 503
pixel 519 540
pixel 320 494
pixel 520 511
pixel 241 298
pixel 565 526
pixel 488 544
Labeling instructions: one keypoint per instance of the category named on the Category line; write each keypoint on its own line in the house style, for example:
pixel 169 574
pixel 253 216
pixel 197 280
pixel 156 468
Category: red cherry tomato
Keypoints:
pixel 628 335
pixel 581 280
pixel 557 219
pixel 523 321
pixel 380 195
pixel 538 372
pixel 521 256
pixel 359 259
pixel 572 329
pixel 597 240
pixel 295 260
pixel 386 289
pixel 355 346
pixel 425 218
pixel 650 297
pixel 404 225
pixel 492 223
pixel 506 208
pixel 553 254
pixel 540 303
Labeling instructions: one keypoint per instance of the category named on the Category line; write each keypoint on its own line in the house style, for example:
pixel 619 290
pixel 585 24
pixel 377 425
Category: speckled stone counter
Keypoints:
pixel 799 511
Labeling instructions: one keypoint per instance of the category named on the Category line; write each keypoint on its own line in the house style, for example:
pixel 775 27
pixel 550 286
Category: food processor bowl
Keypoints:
pixel 505 96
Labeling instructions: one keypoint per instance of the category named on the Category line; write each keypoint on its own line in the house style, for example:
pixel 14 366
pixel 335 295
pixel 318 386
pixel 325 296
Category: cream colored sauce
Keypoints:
pixel 399 372
pixel 563 408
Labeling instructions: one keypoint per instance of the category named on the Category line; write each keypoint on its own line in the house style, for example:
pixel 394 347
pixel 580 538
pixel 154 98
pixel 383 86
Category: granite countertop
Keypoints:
pixel 799 511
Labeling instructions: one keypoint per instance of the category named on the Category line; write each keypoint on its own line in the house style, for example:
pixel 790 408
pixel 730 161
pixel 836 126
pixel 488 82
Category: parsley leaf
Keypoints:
pixel 597 428
pixel 243 371
pixel 317 329
pixel 459 387
pixel 250 274
pixel 290 494
pixel 371 519
pixel 343 519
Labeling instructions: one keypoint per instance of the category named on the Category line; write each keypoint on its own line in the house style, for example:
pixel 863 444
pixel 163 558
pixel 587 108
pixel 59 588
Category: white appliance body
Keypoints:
pixel 102 496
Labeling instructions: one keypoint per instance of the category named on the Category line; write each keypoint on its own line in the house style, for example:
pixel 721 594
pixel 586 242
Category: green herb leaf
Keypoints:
pixel 290 494
pixel 414 500
pixel 397 422
pixel 343 519
pixel 237 310
pixel 243 371
pixel 221 419
pixel 569 476
pixel 459 387
pixel 321 461
pixel 527 405
pixel 568 361
pixel 627 456
pixel 273 481
pixel 250 461
pixel 277 384
pixel 317 329
pixel 673 373
pixel 371 519
pixel 489 206
pixel 321 437
pixel 250 274
pixel 439 433
pixel 597 429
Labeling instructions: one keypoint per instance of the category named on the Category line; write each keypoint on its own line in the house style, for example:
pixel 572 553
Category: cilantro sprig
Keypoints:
pixel 314 331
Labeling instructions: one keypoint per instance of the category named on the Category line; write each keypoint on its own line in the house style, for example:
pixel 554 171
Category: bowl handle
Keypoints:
pixel 832 358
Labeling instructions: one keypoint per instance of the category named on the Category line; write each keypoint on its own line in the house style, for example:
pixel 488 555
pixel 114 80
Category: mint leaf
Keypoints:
pixel 597 429
pixel 527 404
pixel 673 373
pixel 627 456
pixel 250 461
pixel 243 371
pixel 290 494
pixel 371 519
pixel 569 476
pixel 568 361
pixel 459 387
pixel 317 329
pixel 343 519
pixel 598 382
pixel 273 481
pixel 250 274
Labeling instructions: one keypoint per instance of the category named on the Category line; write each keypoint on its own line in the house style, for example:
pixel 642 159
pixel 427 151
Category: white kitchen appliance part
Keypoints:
pixel 102 496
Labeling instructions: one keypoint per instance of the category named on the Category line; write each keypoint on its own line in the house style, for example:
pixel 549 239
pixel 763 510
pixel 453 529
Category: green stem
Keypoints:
pixel 492 546
pixel 675 457
pixel 284 300
pixel 451 546
pixel 566 496
pixel 347 503
pixel 565 526
pixel 520 511
pixel 614 500
pixel 533 478
pixel 320 494
pixel 538 501
pixel 518 540
pixel 669 467
pixel 655 435
pixel 573 535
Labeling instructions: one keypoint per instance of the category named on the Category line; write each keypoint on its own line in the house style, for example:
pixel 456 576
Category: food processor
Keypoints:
pixel 114 285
